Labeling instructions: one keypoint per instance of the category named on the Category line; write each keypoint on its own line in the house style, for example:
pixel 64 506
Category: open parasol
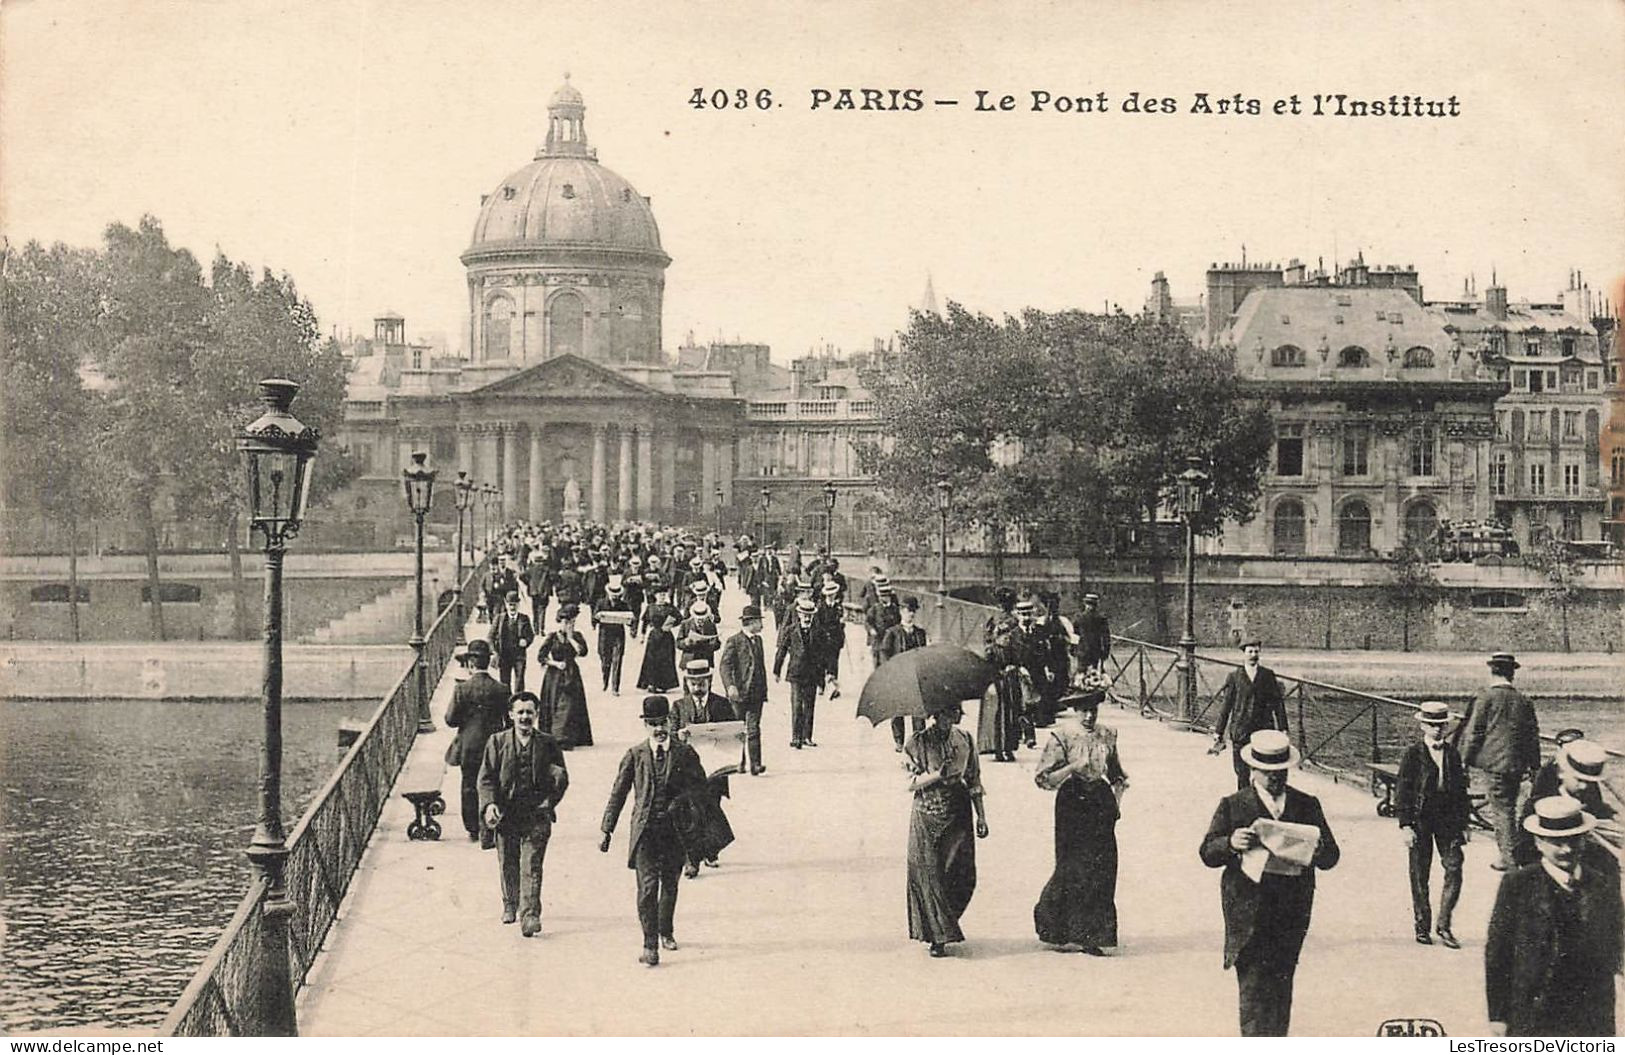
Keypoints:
pixel 914 683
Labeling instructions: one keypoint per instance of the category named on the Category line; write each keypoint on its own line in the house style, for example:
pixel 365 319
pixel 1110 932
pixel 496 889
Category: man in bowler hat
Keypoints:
pixel 660 773
pixel 522 779
pixel 478 710
pixel 1431 803
pixel 1499 738
pixel 1554 942
pixel 1250 699
pixel 511 633
pixel 1265 921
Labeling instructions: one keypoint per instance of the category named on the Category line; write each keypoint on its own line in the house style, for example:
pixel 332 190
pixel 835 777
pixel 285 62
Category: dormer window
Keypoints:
pixel 626 193
pixel 569 190
pixel 508 193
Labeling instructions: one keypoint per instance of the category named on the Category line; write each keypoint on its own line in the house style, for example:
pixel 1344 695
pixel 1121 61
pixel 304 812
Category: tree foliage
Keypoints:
pixel 181 352
pixel 1102 412
pixel 1412 583
pixel 1558 564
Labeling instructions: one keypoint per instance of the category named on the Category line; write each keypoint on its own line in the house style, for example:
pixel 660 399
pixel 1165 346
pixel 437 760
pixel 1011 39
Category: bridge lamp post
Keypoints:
pixel 418 482
pixel 719 496
pixel 767 500
pixel 945 493
pixel 1192 488
pixel 463 491
pixel 276 450
pixel 829 518
pixel 488 497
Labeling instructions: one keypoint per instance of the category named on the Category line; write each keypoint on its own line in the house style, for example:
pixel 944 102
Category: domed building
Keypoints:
pixel 565 258
pixel 567 401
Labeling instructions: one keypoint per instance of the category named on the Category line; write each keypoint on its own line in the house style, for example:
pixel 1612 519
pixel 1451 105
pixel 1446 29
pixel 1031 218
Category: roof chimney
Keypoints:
pixel 1495 300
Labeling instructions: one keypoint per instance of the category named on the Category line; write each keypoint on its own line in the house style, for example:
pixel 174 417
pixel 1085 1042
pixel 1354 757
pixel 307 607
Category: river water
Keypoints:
pixel 122 829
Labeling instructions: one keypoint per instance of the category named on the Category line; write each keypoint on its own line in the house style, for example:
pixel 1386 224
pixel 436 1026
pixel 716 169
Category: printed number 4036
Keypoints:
pixel 731 99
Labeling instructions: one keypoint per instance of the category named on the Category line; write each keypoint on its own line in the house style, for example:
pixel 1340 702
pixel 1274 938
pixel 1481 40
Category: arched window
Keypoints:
pixel 1290 529
pixel 1421 523
pixel 565 325
pixel 498 327
pixel 1353 356
pixel 1288 355
pixel 1419 356
pixel 1354 529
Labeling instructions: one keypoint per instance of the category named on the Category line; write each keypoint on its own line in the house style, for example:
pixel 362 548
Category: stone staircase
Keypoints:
pixel 387 618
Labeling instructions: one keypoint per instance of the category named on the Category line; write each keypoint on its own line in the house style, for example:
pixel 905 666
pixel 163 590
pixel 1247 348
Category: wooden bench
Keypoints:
pixel 1384 776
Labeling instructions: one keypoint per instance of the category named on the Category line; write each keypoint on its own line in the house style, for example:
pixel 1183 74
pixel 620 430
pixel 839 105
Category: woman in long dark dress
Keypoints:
pixel 659 670
pixel 564 698
pixel 947 784
pixel 1079 904
pixel 998 725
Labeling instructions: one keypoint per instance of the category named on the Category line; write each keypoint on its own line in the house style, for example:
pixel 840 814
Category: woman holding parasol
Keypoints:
pixel 945 778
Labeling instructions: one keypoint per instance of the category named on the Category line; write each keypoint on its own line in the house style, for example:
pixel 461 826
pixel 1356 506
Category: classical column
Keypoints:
pixel 488 454
pixel 668 468
pixel 646 481
pixel 465 448
pixel 538 480
pixel 725 469
pixel 510 470
pixel 623 492
pixel 598 502
pixel 708 474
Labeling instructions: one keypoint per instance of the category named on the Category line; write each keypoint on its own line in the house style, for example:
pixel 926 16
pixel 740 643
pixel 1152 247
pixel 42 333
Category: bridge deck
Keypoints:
pixel 803 929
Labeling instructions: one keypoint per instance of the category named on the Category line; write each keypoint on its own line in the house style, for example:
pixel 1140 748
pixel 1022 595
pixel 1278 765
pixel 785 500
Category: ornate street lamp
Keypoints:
pixel 945 492
pixel 1191 488
pixel 463 491
pixel 488 495
pixel 767 500
pixel 693 507
pixel 829 518
pixel 277 450
pixel 719 495
pixel 418 482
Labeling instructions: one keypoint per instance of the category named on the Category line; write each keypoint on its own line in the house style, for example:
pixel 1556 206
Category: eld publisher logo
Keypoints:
pixel 1410 1027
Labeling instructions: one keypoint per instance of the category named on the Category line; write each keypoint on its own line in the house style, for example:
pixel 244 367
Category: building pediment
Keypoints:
pixel 566 377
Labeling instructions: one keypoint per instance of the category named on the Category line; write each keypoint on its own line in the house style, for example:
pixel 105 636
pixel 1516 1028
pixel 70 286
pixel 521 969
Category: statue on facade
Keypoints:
pixel 572 501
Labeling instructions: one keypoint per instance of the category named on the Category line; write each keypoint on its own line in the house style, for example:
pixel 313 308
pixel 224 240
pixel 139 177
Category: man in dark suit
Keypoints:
pixel 798 658
pixel 539 583
pixel 1499 738
pixel 707 831
pixel 744 679
pixel 511 633
pixel 1094 634
pixel 765 581
pixel 879 615
pixel 1431 803
pixel 478 710
pixel 1250 699
pixel 522 780
pixel 611 633
pixel 1265 921
pixel 1554 941
pixel 902 638
pixel 660 773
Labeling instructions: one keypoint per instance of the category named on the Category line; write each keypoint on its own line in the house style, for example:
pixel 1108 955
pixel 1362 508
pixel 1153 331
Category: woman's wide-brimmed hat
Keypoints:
pixel 1083 699
pixel 569 611
pixel 1559 817
pixel 1269 749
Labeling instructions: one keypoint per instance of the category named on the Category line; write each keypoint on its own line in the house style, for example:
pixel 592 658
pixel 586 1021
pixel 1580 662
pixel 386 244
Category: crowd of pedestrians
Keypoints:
pixel 1554 941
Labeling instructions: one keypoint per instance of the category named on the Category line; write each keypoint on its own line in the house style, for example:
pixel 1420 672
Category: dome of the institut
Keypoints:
pixel 565 258
pixel 564 197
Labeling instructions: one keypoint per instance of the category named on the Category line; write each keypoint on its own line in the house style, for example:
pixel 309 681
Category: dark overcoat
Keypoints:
pixel 478 709
pixel 636 776
pixel 1288 898
pixel 1247 705
pixel 499 771
pixel 1423 794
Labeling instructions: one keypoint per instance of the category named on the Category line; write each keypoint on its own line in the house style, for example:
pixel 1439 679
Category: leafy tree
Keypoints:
pixel 1412 583
pixel 1105 409
pixel 49 418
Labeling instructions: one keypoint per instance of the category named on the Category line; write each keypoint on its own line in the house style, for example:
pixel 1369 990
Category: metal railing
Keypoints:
pixel 324 849
pixel 1337 729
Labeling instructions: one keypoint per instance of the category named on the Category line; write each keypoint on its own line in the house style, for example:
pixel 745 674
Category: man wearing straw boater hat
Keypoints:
pixel 1499 738
pixel 798 659
pixel 1265 920
pixel 611 615
pixel 1554 941
pixel 1431 803
pixel 1576 771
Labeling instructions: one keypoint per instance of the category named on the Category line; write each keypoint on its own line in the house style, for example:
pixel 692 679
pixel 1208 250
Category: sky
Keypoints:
pixel 347 142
